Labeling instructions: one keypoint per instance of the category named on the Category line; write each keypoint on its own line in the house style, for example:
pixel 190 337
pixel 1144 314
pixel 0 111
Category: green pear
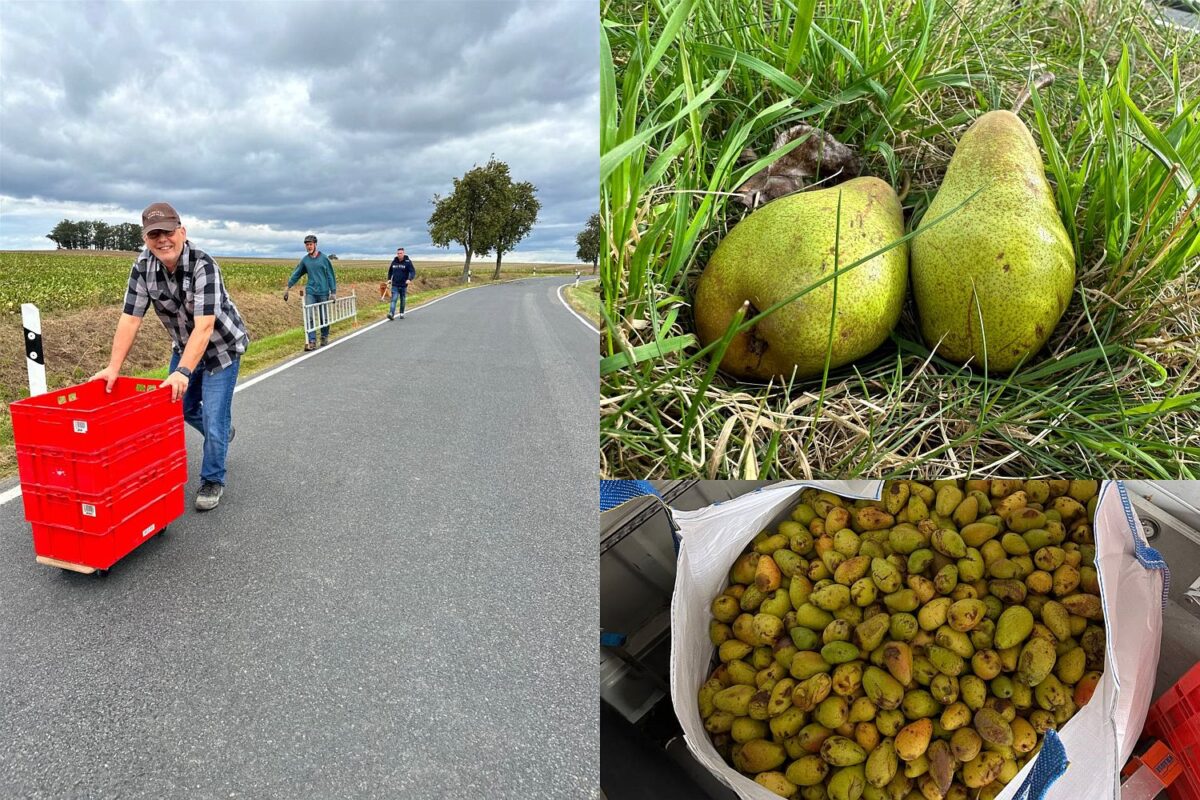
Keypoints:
pixel 787 246
pixel 1003 257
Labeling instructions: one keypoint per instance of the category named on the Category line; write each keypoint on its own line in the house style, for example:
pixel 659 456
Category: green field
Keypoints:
pixel 58 281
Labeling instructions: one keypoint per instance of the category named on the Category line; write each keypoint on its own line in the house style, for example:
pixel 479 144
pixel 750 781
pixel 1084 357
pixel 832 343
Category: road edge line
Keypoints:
pixel 567 306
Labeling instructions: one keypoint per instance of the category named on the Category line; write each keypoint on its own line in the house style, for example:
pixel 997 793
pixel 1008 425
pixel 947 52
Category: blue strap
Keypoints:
pixel 614 493
pixel 1050 764
pixel 1147 556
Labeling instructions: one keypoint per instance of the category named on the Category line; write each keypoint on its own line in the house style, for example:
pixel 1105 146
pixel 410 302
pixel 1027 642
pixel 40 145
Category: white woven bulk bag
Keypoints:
pixel 1083 760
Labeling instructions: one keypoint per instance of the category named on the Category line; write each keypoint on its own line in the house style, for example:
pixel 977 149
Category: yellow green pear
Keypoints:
pixel 1003 257
pixel 785 247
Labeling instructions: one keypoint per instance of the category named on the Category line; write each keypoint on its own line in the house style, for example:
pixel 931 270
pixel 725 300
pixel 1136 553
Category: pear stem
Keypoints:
pixel 1040 82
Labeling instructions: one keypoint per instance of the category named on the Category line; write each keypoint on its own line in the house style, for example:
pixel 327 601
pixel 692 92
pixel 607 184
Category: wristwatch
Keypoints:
pixel 185 372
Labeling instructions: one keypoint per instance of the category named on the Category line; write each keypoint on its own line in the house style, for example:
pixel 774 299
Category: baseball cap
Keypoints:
pixel 309 238
pixel 159 217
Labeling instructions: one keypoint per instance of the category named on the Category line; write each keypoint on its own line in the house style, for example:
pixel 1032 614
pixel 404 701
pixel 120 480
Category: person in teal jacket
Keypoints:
pixel 321 286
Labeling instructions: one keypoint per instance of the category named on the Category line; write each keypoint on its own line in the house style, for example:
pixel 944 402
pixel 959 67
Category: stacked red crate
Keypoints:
pixel 100 472
pixel 1175 719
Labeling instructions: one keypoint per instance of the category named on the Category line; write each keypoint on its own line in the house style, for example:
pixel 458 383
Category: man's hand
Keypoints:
pixel 178 383
pixel 285 293
pixel 109 375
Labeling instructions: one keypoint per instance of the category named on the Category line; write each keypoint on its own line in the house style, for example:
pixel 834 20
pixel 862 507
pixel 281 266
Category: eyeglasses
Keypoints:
pixel 154 235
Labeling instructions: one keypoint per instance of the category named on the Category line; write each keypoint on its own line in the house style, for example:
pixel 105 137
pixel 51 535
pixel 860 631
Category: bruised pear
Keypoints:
pixel 787 246
pixel 992 279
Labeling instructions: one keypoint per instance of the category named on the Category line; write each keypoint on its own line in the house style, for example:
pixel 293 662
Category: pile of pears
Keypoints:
pixel 918 646
pixel 990 281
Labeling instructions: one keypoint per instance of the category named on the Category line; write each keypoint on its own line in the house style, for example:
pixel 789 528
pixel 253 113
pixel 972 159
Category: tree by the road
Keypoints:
pixel 463 215
pixel 589 242
pixel 511 214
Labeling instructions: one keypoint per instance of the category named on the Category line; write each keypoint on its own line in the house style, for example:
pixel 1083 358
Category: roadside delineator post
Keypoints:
pixel 35 358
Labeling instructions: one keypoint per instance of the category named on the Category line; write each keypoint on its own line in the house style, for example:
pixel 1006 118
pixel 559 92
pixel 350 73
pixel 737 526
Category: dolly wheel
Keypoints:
pixel 100 573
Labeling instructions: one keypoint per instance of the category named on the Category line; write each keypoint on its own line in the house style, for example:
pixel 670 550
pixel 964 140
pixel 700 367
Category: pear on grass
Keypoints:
pixel 787 246
pixel 993 278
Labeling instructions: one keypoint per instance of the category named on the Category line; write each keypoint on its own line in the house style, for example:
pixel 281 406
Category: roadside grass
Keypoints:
pixel 688 85
pixel 585 299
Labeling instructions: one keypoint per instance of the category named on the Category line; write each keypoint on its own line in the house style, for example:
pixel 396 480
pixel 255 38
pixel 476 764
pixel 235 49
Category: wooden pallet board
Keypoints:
pixel 54 562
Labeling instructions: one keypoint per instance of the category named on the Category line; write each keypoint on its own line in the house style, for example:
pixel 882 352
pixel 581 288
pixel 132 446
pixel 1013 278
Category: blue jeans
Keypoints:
pixel 323 314
pixel 207 406
pixel 401 292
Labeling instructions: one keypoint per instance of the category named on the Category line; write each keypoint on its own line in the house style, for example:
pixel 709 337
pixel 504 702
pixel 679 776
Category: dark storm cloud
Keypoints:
pixel 262 121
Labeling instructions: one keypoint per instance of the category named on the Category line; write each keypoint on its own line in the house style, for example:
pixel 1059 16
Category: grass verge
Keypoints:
pixel 585 299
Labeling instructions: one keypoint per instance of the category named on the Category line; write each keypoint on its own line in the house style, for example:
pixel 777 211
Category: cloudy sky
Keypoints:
pixel 263 121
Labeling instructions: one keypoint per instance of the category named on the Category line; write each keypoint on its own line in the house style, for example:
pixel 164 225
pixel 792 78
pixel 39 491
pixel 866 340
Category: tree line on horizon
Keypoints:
pixel 487 212
pixel 96 235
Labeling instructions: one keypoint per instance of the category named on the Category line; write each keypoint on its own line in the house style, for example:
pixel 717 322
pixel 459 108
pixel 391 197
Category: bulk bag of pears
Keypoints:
pixel 1081 759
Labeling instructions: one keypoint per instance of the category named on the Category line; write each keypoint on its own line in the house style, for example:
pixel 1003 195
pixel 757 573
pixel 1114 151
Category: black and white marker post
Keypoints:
pixel 35 359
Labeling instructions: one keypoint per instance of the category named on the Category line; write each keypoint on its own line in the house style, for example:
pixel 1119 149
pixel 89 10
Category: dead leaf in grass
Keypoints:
pixel 818 156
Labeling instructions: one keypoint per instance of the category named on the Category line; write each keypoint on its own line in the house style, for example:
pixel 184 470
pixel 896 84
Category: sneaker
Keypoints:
pixel 310 346
pixel 208 496
pixel 390 317
pixel 401 315
pixel 324 341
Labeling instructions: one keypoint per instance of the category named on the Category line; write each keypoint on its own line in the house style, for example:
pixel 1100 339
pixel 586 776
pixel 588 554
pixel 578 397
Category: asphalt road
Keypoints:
pixel 397 596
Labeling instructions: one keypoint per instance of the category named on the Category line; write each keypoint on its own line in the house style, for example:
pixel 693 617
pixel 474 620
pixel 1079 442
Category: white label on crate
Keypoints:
pixel 149 530
pixel 88 510
pixel 80 425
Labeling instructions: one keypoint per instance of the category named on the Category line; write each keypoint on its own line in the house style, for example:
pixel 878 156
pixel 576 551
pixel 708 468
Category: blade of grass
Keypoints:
pixel 799 40
pixel 643 352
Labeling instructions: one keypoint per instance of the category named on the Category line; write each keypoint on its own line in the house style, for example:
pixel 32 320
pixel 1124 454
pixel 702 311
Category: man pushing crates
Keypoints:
pixel 208 336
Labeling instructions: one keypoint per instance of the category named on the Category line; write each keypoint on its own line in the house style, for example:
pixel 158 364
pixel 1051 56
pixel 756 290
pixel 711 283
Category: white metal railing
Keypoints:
pixel 320 315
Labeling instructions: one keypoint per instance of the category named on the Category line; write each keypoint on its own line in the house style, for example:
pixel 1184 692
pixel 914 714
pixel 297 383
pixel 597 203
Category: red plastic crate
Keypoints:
pixel 102 551
pixel 86 419
pixel 48 467
pixel 101 512
pixel 100 472
pixel 1175 719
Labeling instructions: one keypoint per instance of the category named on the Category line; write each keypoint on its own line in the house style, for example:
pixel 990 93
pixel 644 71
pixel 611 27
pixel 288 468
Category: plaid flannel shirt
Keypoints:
pixel 196 289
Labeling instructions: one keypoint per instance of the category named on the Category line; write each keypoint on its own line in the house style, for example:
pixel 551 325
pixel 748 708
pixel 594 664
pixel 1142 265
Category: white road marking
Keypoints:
pixel 567 306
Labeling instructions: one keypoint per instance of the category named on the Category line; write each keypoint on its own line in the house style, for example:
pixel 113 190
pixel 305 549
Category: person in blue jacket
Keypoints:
pixel 401 273
pixel 322 285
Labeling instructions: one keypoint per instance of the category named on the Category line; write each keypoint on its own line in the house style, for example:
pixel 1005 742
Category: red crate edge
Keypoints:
pixel 1175 719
